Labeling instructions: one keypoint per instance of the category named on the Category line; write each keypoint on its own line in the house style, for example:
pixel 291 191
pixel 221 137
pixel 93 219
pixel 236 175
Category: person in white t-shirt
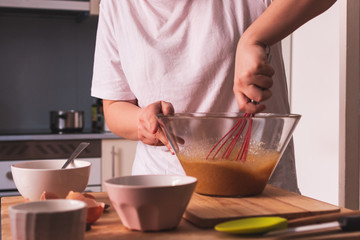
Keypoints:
pixel 161 56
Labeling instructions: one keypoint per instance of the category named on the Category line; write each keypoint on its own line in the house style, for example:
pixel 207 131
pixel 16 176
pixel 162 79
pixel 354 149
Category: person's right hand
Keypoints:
pixel 149 130
pixel 253 77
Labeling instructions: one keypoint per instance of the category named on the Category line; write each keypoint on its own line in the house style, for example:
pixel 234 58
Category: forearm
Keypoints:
pixel 283 17
pixel 253 73
pixel 122 118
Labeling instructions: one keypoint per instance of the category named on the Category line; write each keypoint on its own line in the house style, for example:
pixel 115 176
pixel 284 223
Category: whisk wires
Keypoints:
pixel 228 142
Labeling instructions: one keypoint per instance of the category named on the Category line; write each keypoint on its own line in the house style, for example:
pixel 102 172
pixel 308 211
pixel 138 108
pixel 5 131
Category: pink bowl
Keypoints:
pixel 150 202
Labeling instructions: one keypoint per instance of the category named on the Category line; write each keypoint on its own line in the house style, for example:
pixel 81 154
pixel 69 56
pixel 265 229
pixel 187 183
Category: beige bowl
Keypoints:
pixel 32 178
pixel 150 202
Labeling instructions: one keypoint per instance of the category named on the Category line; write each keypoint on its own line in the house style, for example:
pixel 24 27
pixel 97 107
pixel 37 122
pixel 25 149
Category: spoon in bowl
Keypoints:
pixel 76 153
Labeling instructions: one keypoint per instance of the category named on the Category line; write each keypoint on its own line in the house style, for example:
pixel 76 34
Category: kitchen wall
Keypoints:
pixel 315 95
pixel 45 64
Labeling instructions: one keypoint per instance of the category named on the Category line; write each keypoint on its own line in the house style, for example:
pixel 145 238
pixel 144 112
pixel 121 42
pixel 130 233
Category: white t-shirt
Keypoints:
pixel 181 52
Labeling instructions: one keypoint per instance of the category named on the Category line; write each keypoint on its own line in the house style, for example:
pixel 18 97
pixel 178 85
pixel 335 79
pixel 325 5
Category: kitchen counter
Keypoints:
pixel 110 227
pixel 54 136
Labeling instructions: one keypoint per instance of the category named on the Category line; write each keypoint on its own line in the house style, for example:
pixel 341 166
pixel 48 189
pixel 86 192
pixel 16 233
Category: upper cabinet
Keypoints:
pixel 91 6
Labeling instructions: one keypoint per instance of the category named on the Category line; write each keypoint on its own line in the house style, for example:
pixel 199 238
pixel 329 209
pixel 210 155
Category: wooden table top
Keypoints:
pixel 109 227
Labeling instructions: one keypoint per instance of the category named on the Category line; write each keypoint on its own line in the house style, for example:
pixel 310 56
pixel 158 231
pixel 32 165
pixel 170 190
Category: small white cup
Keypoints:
pixel 48 219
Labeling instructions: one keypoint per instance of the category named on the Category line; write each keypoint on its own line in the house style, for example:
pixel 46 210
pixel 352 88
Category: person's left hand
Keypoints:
pixel 253 77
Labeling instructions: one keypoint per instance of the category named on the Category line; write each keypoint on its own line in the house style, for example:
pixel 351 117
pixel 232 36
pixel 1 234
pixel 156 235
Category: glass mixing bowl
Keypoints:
pixel 210 148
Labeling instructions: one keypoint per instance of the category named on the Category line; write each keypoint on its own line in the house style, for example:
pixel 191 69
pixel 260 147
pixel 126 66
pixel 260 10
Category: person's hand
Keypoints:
pixel 149 130
pixel 253 77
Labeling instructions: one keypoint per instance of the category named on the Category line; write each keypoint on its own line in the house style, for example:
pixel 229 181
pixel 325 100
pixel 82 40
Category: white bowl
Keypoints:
pixel 150 202
pixel 51 219
pixel 32 178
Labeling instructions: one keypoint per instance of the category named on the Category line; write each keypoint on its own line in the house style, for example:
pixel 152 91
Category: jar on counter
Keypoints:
pixel 97 116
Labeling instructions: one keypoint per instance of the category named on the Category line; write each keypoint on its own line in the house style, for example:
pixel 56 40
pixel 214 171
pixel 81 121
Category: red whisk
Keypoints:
pixel 234 134
pixel 231 138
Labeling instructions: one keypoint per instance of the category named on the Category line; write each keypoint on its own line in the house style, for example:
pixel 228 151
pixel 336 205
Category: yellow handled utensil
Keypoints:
pixel 255 225
pixel 273 226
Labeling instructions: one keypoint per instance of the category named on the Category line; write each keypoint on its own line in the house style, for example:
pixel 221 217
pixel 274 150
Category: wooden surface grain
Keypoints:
pixel 109 226
pixel 206 212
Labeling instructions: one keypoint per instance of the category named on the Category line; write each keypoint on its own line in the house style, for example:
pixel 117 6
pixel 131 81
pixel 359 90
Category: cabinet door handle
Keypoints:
pixel 9 176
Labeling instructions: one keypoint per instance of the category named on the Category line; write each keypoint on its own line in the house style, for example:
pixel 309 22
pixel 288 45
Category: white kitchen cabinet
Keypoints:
pixel 117 157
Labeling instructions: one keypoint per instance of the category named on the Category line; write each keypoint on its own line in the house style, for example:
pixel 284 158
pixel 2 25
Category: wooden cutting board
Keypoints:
pixel 206 211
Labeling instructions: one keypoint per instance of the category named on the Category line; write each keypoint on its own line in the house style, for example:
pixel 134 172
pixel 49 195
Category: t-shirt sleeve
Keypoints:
pixel 109 81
